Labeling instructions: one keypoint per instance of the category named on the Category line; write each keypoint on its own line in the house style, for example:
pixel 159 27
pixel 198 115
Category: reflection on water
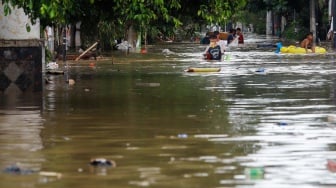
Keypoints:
pixel 20 140
pixel 167 128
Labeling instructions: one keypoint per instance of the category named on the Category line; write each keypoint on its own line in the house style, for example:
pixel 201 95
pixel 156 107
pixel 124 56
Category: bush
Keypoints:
pixel 48 55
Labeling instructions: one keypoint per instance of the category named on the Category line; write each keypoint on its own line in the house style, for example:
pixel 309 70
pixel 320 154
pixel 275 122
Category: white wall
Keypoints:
pixel 13 26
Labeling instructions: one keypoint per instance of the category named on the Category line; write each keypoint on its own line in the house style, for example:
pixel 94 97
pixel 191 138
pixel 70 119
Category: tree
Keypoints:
pixel 143 15
pixel 49 11
pixel 218 11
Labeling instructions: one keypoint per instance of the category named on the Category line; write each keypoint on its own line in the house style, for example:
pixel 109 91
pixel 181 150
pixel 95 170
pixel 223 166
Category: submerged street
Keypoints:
pixel 164 127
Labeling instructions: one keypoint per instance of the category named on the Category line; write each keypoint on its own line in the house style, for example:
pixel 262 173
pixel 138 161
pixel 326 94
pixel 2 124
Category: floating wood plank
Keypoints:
pixel 86 51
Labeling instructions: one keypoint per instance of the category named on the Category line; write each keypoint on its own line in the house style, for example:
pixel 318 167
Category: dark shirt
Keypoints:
pixel 215 53
pixel 230 38
pixel 205 40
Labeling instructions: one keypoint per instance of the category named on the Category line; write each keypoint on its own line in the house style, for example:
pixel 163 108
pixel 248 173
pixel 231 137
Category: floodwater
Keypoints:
pixel 166 128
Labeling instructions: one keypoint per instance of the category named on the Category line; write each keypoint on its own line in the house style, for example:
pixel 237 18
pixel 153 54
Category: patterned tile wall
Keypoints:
pixel 20 70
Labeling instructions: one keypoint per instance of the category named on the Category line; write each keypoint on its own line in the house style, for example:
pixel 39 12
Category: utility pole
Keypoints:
pixel 313 19
pixel 333 13
pixel 64 53
pixel 269 22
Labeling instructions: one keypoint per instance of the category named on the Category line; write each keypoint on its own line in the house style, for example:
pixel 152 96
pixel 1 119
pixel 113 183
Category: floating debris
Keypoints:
pixel 102 162
pixel 182 136
pixel 15 169
pixel 226 57
pixel 71 82
pixel 47 177
pixel 52 66
pixel 282 123
pixel 55 72
pixel 148 84
pixel 167 52
pixel 255 173
pixel 92 64
pixel 51 174
pixel 47 81
pixel 143 51
pixel 261 71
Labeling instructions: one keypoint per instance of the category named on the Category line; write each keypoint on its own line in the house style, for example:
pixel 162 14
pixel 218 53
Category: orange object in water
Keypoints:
pixel 92 64
pixel 143 50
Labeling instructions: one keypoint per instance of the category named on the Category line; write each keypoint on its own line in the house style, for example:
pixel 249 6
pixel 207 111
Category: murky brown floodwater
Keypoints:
pixel 167 128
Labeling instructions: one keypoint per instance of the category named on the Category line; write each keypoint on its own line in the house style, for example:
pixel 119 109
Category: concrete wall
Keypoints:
pixel 13 26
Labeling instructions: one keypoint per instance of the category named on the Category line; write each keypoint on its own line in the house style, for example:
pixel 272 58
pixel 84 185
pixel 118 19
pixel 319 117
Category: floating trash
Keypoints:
pixel 92 64
pixel 47 81
pixel 51 174
pixel 226 57
pixel 55 72
pixel 255 173
pixel 148 84
pixel 167 52
pixel 182 136
pixel 47 177
pixel 15 169
pixel 102 162
pixel 143 51
pixel 71 82
pixel 282 123
pixel 260 70
pixel 52 66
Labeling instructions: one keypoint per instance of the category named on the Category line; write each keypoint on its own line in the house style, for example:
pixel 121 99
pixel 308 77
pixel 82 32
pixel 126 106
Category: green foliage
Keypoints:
pixel 48 55
pixel 258 19
pixel 218 11
pixel 109 32
pixel 109 19
pixel 279 6
pixel 48 11
pixel 144 13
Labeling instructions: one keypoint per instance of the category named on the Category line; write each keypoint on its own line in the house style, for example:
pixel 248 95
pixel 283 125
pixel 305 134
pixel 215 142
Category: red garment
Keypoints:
pixel 241 39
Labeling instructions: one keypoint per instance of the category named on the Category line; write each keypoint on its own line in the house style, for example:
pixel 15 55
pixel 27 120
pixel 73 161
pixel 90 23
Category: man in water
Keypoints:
pixel 206 39
pixel 220 42
pixel 232 36
pixel 240 36
pixel 307 43
pixel 214 51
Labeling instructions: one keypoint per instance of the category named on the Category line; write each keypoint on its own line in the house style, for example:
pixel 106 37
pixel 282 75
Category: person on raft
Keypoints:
pixel 307 43
pixel 214 50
